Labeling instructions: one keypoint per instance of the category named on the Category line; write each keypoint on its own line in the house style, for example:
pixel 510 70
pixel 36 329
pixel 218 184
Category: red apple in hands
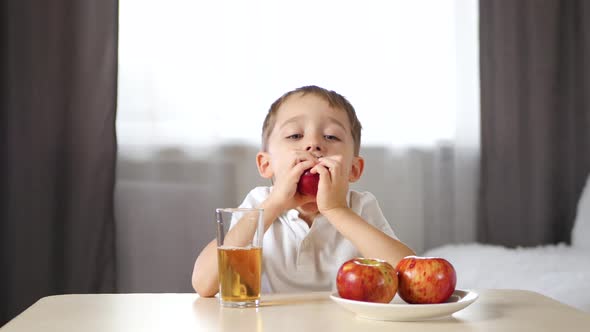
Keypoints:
pixel 425 280
pixel 308 183
pixel 367 279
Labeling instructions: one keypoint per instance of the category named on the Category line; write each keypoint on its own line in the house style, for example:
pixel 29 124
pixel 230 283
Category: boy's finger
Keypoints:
pixel 299 168
pixel 298 158
pixel 335 166
pixel 305 155
pixel 336 157
pixel 324 173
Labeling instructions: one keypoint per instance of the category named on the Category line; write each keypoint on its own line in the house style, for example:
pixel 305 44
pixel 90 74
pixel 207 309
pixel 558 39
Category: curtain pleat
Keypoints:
pixel 58 149
pixel 535 118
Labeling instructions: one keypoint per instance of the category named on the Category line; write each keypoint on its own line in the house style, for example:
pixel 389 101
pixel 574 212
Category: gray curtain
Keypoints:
pixel 535 118
pixel 58 66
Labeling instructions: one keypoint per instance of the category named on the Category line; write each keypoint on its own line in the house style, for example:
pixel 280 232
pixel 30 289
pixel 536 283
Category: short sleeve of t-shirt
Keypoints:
pixel 254 198
pixel 366 205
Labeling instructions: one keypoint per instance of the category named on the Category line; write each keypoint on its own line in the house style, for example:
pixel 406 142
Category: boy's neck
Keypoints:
pixel 308 217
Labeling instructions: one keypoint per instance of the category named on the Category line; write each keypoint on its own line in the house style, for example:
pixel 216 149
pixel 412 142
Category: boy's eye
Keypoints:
pixel 294 136
pixel 331 138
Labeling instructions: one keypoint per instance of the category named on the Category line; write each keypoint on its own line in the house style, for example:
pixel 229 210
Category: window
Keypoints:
pixel 200 72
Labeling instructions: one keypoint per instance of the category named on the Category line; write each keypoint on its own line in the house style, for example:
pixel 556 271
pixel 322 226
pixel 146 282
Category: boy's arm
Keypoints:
pixel 369 240
pixel 331 200
pixel 283 197
pixel 205 277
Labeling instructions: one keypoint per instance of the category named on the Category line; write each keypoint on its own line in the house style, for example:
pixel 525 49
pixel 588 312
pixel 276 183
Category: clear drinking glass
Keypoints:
pixel 239 256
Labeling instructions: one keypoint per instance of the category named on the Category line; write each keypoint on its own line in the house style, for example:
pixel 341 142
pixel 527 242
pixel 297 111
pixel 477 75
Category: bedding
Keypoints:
pixel 559 271
pixel 581 230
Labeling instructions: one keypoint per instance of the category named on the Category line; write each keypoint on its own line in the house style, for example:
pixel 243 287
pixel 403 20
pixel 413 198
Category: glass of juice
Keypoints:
pixel 239 256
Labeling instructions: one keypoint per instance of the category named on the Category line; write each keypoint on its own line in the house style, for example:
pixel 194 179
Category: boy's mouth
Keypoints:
pixel 317 155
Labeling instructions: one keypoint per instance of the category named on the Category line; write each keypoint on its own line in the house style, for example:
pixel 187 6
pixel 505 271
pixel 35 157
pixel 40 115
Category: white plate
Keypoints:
pixel 398 310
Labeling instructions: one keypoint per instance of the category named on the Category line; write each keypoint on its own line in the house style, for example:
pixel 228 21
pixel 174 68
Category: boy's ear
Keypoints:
pixel 263 164
pixel 356 170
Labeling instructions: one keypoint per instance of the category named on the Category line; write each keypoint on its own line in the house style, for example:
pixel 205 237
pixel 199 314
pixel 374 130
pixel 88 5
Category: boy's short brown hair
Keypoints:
pixel 333 98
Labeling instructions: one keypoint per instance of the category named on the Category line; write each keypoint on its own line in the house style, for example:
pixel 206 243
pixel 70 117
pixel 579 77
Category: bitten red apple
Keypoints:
pixel 308 183
pixel 425 280
pixel 367 279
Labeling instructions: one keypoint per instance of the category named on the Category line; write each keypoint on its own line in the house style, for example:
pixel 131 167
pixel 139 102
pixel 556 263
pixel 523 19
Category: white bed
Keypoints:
pixel 559 271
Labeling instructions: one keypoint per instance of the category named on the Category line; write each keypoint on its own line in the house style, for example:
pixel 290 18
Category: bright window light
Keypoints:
pixel 202 72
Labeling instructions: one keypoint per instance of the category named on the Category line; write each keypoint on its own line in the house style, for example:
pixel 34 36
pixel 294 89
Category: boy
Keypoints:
pixel 307 238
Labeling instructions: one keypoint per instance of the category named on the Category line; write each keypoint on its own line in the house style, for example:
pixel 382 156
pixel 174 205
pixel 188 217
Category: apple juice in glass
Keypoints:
pixel 239 256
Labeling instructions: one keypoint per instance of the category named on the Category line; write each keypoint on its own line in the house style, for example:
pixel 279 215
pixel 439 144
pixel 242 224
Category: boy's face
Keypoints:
pixel 308 125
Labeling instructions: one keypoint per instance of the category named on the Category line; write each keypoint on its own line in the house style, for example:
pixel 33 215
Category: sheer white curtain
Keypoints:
pixel 196 79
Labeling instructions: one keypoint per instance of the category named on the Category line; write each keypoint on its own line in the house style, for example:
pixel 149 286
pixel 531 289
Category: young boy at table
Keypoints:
pixel 307 238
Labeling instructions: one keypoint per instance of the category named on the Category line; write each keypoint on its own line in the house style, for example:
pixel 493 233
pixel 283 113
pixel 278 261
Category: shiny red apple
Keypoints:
pixel 367 279
pixel 425 280
pixel 308 183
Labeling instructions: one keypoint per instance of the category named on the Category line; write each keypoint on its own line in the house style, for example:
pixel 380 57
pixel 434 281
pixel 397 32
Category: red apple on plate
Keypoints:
pixel 308 183
pixel 425 280
pixel 366 279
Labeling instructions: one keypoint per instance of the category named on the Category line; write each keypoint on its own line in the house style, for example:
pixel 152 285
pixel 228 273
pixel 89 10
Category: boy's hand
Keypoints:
pixel 284 194
pixel 333 185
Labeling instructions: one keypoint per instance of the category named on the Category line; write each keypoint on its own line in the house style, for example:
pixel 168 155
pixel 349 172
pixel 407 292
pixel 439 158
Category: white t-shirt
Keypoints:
pixel 299 258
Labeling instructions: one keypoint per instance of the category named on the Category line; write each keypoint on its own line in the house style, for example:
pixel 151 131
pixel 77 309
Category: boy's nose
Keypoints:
pixel 313 147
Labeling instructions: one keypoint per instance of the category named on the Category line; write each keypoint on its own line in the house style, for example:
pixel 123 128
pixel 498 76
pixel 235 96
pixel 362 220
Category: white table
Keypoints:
pixel 494 310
